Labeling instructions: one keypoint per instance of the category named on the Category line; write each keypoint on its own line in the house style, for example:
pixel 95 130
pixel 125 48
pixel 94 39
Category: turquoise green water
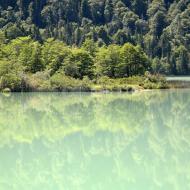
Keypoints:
pixel 58 141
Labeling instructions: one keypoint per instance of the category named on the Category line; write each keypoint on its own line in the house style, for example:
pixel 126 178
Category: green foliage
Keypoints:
pixel 159 27
pixel 61 82
pixel 107 59
pixel 133 61
pixel 26 52
pixel 39 81
pixel 10 76
pixel 154 82
pixel 78 64
pixel 27 65
pixel 90 46
pixel 54 53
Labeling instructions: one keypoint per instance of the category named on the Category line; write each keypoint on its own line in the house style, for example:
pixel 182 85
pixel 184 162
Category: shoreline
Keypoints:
pixel 104 85
pixel 105 91
pixel 134 91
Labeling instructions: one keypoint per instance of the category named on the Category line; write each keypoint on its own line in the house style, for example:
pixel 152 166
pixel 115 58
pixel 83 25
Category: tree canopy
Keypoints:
pixel 160 27
pixel 23 59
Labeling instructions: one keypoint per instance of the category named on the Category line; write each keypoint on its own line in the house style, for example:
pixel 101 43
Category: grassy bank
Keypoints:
pixel 62 83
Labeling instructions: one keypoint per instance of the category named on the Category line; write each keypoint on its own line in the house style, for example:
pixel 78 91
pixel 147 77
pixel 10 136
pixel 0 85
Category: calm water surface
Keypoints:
pixel 179 78
pixel 59 141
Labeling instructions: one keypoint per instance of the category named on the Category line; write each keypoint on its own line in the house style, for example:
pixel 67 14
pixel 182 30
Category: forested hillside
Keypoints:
pixel 160 27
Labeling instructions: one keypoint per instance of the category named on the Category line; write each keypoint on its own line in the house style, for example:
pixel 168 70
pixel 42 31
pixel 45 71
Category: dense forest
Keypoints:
pixel 120 38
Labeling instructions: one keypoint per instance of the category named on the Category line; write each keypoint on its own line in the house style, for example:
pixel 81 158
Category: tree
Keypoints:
pixel 35 64
pixel 107 59
pixel 120 37
pixel 10 75
pixel 85 9
pixel 140 7
pixel 90 46
pixel 79 64
pixel 102 33
pixel 133 61
pixel 13 32
pixel 108 12
pixel 182 63
pixel 158 23
pixel 27 53
pixel 53 54
pixel 97 11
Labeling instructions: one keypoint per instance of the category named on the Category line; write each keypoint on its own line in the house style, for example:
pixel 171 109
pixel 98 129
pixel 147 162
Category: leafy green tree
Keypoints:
pixel 10 75
pixel 182 58
pixel 35 64
pixel 133 61
pixel 27 53
pixel 79 64
pixel 90 46
pixel 53 54
pixel 107 59
pixel 13 32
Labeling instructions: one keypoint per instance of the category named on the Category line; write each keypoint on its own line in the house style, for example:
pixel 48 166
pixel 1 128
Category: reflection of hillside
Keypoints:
pixel 31 116
pixel 114 141
pixel 53 116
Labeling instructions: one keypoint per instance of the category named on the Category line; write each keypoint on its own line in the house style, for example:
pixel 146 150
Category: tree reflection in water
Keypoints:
pixel 95 141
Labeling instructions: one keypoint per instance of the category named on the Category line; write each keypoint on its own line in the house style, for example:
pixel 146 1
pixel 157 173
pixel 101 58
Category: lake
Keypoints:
pixel 83 141
pixel 179 78
pixel 179 81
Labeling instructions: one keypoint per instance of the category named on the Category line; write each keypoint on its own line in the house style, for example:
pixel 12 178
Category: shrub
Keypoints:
pixel 11 81
pixel 61 82
pixel 37 82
